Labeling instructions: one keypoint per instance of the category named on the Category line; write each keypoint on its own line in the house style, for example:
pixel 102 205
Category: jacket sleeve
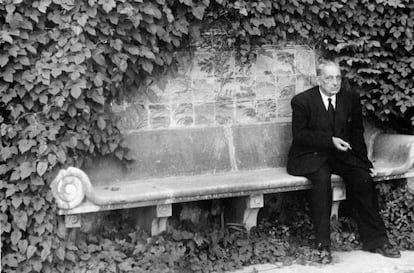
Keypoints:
pixel 301 133
pixel 357 130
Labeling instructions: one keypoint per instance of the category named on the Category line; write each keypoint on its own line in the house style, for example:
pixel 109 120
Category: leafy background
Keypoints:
pixel 64 62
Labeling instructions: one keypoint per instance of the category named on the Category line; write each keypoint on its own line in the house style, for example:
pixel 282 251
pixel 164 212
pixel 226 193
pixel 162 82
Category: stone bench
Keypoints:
pixel 264 147
pixel 220 133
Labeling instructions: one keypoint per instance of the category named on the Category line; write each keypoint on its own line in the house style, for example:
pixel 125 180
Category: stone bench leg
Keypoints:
pixel 243 210
pixel 68 226
pixel 338 194
pixel 154 219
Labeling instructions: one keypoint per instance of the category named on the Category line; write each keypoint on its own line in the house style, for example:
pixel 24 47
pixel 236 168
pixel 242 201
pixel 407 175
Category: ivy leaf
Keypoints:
pixel 7 152
pixel 15 237
pixel 182 26
pixel 23 245
pixel 60 253
pixel 120 61
pixel 37 181
pixel 26 169
pixel 99 98
pixel 8 74
pixel 98 80
pixel 101 123
pixel 77 30
pixel 371 7
pixel 82 19
pixel 30 251
pixel 4 59
pixel 134 50
pixel 8 96
pixel 14 176
pixel 127 9
pixel 147 53
pixel 147 66
pixel 73 142
pixel 152 10
pixel 45 252
pixel 41 167
pixel 52 159
pixel 38 203
pixel 42 148
pixel 70 255
pixel 198 12
pixel 25 145
pixel 16 201
pixel 43 5
pixel 5 36
pixel 376 43
pixel 187 2
pixel 99 59
pixel 55 73
pixel 61 155
pixel 43 98
pixel 117 44
pixel 107 5
pixel 39 217
pixel 10 260
pixel 20 219
pixel 77 46
pixel 75 91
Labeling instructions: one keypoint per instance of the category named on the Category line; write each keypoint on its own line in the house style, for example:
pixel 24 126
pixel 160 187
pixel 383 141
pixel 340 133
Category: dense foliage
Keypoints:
pixel 63 62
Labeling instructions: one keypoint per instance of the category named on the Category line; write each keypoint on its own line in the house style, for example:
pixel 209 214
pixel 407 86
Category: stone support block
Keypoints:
pixel 243 210
pixel 73 221
pixel 154 219
pixel 338 194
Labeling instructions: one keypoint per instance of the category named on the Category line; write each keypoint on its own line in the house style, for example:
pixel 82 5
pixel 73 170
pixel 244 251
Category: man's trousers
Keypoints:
pixel 362 194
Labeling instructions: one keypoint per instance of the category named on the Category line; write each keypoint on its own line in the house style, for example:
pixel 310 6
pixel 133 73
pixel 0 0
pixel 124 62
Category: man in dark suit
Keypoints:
pixel 328 138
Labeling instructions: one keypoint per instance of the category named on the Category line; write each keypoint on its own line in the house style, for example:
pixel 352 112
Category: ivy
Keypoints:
pixel 63 62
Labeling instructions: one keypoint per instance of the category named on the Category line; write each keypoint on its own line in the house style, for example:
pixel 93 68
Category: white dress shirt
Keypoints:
pixel 326 102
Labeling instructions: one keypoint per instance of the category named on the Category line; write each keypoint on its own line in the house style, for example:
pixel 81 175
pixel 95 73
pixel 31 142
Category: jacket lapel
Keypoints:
pixel 317 99
pixel 340 112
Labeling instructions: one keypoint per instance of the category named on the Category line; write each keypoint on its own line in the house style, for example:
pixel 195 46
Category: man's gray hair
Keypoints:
pixel 322 63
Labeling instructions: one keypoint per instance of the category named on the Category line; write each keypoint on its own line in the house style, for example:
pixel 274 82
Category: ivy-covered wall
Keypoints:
pixel 63 63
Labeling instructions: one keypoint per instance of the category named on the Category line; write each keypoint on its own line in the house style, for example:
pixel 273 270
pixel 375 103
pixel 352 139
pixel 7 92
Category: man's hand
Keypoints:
pixel 341 144
pixel 372 172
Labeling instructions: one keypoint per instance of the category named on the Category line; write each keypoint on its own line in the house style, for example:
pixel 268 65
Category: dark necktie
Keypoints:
pixel 331 113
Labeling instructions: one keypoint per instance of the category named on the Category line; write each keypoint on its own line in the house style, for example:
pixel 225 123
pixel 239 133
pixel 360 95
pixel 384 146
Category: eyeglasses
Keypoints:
pixel 331 78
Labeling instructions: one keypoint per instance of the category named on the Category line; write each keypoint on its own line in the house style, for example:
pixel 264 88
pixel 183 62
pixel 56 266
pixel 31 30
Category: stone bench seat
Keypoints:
pixel 169 190
pixel 158 194
pixel 156 191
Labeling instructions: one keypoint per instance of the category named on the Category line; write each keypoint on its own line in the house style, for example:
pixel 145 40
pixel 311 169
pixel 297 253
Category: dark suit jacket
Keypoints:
pixel 312 133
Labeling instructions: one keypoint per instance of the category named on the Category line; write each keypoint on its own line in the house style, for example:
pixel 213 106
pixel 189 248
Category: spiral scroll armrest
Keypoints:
pixel 70 187
pixel 393 154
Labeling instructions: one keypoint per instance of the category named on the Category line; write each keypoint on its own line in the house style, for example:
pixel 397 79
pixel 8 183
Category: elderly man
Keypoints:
pixel 328 138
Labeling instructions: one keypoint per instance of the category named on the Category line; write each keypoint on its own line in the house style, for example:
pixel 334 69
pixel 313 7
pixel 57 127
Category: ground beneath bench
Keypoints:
pixel 344 262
